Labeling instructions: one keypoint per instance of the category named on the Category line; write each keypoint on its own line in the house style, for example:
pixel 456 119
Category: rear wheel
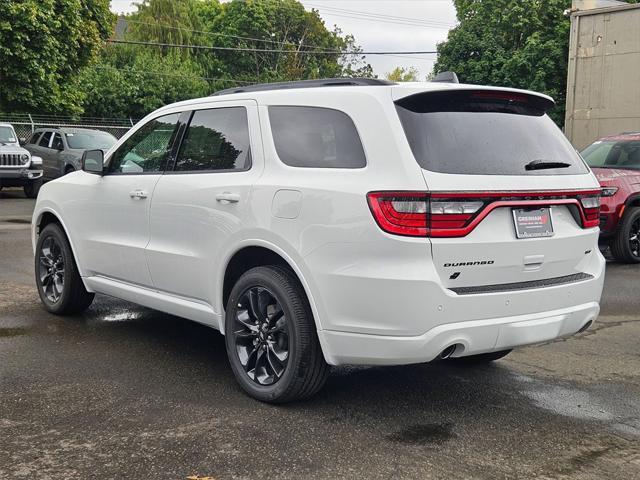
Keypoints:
pixel 59 284
pixel 480 359
pixel 271 337
pixel 625 246
pixel 31 189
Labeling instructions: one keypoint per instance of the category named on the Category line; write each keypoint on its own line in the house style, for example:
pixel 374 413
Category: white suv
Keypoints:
pixel 335 222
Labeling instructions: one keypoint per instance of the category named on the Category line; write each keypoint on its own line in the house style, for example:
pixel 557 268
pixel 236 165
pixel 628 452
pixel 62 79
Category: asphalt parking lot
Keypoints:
pixel 127 392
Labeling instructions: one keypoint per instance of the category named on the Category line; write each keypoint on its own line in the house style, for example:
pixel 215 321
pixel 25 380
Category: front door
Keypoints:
pixel 199 206
pixel 114 212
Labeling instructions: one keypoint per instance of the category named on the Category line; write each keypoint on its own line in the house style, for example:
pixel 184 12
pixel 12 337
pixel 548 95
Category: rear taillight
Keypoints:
pixel 591 209
pixel 400 213
pixel 418 214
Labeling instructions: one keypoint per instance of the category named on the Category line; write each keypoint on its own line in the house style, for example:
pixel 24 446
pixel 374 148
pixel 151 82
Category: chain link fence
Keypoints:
pixel 26 124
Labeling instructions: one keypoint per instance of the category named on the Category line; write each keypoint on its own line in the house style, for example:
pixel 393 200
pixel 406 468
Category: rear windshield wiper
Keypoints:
pixel 544 164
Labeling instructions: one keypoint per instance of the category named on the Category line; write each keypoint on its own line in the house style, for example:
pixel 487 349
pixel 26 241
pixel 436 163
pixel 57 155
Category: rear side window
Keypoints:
pixel 216 140
pixel 486 133
pixel 46 138
pixel 316 137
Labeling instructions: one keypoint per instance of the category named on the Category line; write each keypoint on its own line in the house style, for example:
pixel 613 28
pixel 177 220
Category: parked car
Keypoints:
pixel 616 162
pixel 332 222
pixel 61 148
pixel 17 167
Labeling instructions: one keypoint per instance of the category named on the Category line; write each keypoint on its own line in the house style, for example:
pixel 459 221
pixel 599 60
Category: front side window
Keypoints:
pixel 316 137
pixel 148 149
pixel 217 139
pixel 613 154
pixel 46 138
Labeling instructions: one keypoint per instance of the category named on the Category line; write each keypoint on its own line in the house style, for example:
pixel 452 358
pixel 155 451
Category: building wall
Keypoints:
pixel 603 85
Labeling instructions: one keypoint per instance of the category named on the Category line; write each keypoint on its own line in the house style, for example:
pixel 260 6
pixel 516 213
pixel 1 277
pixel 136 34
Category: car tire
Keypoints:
pixel 625 246
pixel 481 358
pixel 31 189
pixel 57 278
pixel 271 337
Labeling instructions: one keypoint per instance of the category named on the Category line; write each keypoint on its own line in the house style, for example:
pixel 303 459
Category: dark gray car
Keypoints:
pixel 61 148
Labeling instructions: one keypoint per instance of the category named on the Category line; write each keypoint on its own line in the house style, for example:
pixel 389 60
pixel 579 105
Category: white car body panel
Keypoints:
pixel 377 298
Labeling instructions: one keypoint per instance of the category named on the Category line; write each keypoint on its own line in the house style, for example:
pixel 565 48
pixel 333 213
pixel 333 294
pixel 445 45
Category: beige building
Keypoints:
pixel 603 84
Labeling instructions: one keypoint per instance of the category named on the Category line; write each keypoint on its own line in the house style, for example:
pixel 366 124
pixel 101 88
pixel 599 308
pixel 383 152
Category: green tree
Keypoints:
pixel 43 46
pixel 401 74
pixel 514 43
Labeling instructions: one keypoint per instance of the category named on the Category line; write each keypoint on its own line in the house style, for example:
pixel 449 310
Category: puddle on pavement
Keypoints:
pixel 423 434
pixel 12 332
pixel 120 317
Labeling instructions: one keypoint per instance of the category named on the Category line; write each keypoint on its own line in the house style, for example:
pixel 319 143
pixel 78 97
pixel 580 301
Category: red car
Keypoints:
pixel 616 162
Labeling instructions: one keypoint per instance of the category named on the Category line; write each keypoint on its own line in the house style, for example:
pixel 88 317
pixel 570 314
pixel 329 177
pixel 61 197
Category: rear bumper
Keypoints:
pixel 472 337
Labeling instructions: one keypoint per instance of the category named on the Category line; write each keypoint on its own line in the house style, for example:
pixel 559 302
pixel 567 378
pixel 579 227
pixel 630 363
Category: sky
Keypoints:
pixel 388 25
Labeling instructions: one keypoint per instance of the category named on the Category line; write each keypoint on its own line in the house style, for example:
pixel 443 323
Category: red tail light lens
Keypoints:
pixel 591 208
pixel 400 213
pixel 456 214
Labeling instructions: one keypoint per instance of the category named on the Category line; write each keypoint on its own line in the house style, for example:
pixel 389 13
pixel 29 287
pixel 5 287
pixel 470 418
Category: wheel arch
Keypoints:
pixel 633 200
pixel 257 253
pixel 46 216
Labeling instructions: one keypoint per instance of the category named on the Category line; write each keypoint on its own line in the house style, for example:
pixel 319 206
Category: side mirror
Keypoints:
pixel 93 161
pixel 22 141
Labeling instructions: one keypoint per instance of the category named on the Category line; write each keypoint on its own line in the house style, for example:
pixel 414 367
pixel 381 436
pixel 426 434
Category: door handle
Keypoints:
pixel 228 197
pixel 138 194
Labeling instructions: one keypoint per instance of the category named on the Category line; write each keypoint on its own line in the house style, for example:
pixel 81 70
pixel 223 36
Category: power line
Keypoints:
pixel 267 50
pixel 382 17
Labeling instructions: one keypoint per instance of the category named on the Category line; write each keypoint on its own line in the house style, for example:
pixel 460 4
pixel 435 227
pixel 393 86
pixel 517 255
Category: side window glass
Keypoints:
pixel 316 137
pixel 44 141
pixel 34 138
pixel 216 139
pixel 57 142
pixel 147 150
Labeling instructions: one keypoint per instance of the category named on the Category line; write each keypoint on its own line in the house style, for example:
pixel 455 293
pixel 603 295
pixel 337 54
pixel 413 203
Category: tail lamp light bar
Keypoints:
pixel 456 214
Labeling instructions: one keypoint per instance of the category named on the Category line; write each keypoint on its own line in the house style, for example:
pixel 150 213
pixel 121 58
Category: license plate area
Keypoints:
pixel 533 222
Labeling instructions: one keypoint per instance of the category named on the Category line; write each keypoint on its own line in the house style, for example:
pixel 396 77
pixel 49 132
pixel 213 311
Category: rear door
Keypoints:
pixel 510 199
pixel 199 205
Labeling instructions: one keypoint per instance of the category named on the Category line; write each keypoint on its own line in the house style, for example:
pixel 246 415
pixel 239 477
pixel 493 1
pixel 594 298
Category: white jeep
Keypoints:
pixel 17 167
pixel 331 222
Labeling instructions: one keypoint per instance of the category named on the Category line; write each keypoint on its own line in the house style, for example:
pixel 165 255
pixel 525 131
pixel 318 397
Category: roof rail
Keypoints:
pixel 324 82
pixel 446 77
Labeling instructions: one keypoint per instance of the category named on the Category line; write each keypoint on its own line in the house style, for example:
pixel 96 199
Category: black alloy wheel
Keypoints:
pixel 625 246
pixel 261 336
pixel 51 269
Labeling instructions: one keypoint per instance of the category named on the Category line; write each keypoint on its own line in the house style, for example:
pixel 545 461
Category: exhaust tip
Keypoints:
pixel 447 352
pixel 585 327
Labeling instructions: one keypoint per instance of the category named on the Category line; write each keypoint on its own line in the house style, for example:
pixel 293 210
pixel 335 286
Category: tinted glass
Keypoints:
pixel 316 137
pixel 46 138
pixel 216 139
pixel 485 133
pixel 34 138
pixel 90 140
pixel 148 149
pixel 613 154
pixel 57 142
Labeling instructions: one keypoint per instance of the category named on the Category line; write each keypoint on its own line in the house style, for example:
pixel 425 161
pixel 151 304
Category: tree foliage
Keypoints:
pixel 514 43
pixel 43 46
pixel 402 74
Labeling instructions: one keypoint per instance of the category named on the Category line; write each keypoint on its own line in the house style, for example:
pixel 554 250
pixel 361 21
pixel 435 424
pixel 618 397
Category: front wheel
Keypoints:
pixel 625 246
pixel 31 189
pixel 59 284
pixel 271 337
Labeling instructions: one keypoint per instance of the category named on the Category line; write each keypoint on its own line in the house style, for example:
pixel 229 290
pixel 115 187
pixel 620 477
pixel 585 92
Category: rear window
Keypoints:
pixel 482 132
pixel 316 137
pixel 90 140
pixel 613 154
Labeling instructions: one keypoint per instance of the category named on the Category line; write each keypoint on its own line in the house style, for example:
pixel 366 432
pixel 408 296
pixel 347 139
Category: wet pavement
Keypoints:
pixel 127 392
